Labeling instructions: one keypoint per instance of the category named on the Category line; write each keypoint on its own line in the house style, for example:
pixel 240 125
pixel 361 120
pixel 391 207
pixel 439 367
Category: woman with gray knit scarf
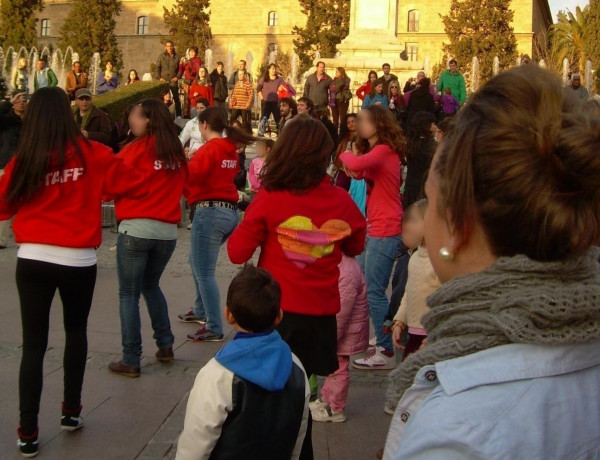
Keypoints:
pixel 512 364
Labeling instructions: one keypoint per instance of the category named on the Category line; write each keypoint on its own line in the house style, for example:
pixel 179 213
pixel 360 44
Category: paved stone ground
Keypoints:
pixel 142 418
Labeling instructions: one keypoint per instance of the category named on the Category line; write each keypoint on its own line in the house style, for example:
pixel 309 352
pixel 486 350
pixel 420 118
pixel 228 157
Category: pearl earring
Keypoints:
pixel 446 254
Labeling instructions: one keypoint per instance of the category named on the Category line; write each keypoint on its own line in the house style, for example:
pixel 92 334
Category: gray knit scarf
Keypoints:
pixel 516 300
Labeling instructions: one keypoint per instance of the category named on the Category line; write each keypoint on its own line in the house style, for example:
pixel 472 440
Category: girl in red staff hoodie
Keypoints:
pixel 148 230
pixel 54 186
pixel 212 192
pixel 303 224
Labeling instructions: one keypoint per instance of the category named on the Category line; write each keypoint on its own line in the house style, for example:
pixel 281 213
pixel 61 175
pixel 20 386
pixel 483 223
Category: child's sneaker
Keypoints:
pixel 325 414
pixel 71 420
pixel 204 335
pixel 313 405
pixel 379 359
pixel 28 445
pixel 190 317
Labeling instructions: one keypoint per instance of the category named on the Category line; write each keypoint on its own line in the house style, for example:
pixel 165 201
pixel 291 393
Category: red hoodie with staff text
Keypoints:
pixel 67 210
pixel 211 172
pixel 165 184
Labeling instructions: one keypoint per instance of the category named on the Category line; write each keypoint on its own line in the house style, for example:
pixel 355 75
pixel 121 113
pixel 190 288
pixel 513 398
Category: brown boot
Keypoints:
pixel 165 355
pixel 124 369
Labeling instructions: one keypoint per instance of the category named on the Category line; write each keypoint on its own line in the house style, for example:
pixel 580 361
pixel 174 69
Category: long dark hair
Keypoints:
pixel 389 131
pixel 376 83
pixel 48 132
pixel 160 124
pixel 419 138
pixel 216 122
pixel 266 76
pixel 344 126
pixel 300 156
pixel 206 81
pixel 137 77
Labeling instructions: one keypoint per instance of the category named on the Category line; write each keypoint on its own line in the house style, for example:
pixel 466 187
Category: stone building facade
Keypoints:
pixel 242 26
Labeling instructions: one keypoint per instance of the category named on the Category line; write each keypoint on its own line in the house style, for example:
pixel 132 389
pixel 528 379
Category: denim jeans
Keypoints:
pixel 210 229
pixel 140 264
pixel 377 262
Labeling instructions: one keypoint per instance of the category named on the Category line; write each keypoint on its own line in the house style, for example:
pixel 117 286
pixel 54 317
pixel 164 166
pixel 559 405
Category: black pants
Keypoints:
pixel 246 118
pixel 37 283
pixel 271 107
pixel 174 87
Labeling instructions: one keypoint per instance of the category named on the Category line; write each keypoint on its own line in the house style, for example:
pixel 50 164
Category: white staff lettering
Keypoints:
pixel 60 177
pixel 158 165
pixel 229 164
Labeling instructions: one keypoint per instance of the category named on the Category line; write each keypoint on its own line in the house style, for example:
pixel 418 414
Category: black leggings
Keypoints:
pixel 37 282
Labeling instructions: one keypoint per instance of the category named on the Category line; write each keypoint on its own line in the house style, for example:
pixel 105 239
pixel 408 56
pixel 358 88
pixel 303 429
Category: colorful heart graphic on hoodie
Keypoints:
pixel 303 243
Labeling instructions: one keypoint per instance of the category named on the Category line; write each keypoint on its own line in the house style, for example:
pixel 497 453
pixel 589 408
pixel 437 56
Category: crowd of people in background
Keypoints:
pixel 423 189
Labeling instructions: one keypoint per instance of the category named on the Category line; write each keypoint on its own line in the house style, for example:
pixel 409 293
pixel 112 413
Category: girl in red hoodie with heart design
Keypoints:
pixel 303 224
pixel 53 186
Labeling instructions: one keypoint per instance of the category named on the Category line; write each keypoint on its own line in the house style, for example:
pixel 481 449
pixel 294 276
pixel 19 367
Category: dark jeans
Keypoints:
pixel 246 118
pixel 271 107
pixel 174 87
pixel 140 264
pixel 337 112
pixel 222 105
pixel 37 283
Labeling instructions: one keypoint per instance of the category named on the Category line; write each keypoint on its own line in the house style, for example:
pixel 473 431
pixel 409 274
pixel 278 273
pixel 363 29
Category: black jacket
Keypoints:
pixel 10 129
pixel 220 92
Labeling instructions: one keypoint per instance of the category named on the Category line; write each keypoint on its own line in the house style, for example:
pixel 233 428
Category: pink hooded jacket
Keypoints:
pixel 353 318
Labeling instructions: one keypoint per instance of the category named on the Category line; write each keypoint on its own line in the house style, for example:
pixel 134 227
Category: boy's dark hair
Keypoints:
pixel 310 105
pixel 254 299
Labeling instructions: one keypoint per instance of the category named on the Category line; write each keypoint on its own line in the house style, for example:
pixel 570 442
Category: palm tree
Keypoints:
pixel 567 37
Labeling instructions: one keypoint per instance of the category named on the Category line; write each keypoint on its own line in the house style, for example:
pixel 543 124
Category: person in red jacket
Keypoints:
pixel 376 158
pixel 53 186
pixel 303 224
pixel 211 191
pixel 365 89
pixel 148 230
pixel 201 87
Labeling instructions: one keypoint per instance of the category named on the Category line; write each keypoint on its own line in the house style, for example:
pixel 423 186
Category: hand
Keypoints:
pixel 392 106
pixel 397 337
pixel 83 74
pixel 16 98
pixel 161 80
pixel 423 343
pixel 174 79
pixel 378 103
pixel 195 94
pixel 85 133
pixel 106 78
pixel 351 174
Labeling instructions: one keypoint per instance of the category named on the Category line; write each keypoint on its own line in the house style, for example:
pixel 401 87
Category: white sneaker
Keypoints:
pixel 325 414
pixel 379 359
pixel 372 342
pixel 313 405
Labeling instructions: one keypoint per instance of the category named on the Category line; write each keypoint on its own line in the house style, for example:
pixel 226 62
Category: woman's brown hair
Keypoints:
pixel 523 161
pixel 300 156
pixel 389 131
pixel 216 122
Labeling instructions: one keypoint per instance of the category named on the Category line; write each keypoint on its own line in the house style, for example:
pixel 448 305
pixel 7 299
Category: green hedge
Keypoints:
pixel 116 102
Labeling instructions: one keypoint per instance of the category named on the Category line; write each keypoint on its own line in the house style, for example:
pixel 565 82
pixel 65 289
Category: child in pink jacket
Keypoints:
pixel 352 338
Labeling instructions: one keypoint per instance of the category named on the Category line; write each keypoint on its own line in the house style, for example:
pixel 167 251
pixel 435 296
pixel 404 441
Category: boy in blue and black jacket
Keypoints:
pixel 251 400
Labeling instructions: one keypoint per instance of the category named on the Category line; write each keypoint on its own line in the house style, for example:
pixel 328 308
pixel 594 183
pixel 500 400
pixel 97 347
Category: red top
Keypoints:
pixel 165 185
pixel 203 91
pixel 211 172
pixel 381 169
pixel 363 90
pixel 302 238
pixel 189 69
pixel 67 211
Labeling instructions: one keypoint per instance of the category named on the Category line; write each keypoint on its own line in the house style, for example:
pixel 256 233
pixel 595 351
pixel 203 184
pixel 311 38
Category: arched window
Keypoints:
pixel 273 18
pixel 413 21
pixel 142 25
pixel 45 31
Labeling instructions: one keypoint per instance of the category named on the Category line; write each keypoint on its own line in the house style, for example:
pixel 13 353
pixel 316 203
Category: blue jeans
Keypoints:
pixel 377 262
pixel 140 264
pixel 210 229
